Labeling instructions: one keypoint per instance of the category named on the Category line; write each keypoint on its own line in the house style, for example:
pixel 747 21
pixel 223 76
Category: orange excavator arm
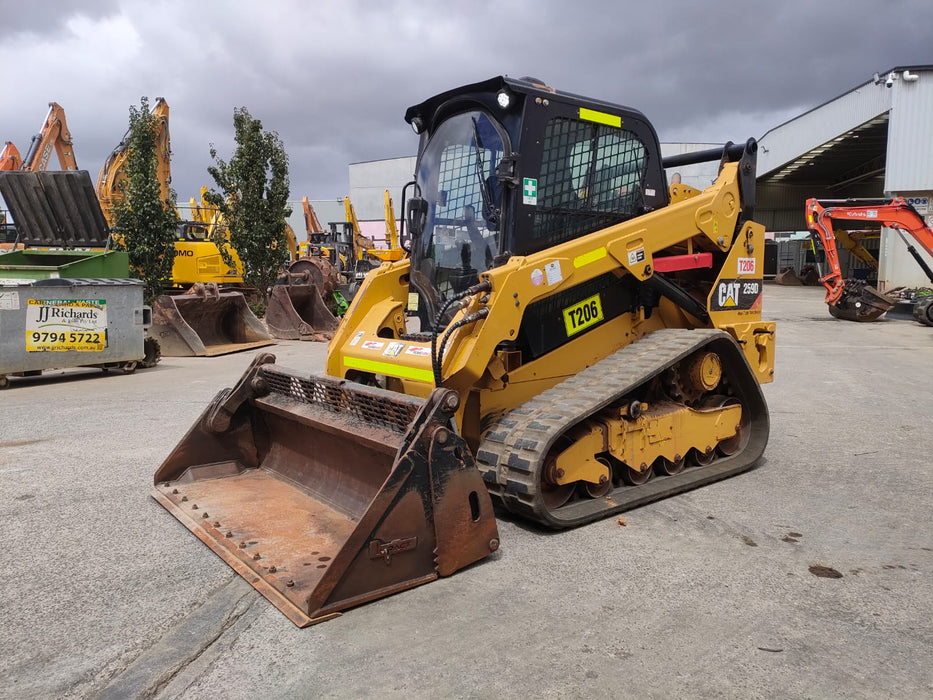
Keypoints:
pixel 10 159
pixel 54 134
pixel 896 214
pixel 312 223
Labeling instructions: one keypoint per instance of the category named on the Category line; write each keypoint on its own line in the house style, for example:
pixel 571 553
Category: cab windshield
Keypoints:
pixel 456 178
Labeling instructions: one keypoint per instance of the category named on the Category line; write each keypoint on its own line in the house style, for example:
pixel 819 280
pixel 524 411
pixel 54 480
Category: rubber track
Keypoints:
pixel 512 452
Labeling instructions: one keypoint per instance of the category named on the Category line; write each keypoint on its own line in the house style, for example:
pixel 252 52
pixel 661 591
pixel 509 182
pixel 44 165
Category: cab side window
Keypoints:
pixel 591 177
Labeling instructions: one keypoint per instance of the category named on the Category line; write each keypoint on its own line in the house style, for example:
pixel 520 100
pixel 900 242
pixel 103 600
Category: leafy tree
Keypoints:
pixel 253 200
pixel 145 224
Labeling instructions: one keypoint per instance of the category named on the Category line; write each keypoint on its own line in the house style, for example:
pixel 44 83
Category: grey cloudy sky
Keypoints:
pixel 334 78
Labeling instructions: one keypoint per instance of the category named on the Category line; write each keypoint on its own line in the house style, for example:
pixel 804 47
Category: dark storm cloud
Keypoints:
pixel 48 16
pixel 334 78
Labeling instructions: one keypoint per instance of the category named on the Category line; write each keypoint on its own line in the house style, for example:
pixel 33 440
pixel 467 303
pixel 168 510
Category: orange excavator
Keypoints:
pixel 852 300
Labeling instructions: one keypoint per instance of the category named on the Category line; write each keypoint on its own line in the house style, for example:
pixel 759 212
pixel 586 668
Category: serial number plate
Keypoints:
pixel 583 314
pixel 52 341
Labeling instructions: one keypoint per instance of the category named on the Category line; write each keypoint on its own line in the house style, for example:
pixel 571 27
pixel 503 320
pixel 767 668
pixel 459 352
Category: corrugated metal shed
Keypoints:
pixel 815 131
pixel 875 140
pixel 910 134
pixel 909 170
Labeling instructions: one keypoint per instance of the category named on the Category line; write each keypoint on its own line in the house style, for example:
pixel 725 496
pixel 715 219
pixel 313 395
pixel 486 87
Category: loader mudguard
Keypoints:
pixel 325 494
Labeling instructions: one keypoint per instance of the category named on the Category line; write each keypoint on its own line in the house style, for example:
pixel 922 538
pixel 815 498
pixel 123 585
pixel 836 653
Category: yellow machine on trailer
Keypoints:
pixel 568 336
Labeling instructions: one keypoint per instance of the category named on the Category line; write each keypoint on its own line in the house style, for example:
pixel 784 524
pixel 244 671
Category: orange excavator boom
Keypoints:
pixel 10 159
pixel 54 134
pixel 312 223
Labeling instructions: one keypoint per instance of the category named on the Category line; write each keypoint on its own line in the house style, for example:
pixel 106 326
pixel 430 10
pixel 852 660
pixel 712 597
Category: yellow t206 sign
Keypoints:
pixel 583 314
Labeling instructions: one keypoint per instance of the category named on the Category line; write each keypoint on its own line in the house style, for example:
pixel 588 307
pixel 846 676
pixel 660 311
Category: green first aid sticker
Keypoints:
pixel 529 191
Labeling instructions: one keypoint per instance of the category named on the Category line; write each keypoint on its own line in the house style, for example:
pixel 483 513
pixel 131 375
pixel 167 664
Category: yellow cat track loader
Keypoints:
pixel 568 338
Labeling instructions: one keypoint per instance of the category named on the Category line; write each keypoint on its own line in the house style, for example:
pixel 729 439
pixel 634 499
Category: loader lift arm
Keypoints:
pixel 864 304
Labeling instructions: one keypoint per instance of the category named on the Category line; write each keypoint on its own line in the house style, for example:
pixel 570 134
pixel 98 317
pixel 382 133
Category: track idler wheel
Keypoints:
pixel 319 271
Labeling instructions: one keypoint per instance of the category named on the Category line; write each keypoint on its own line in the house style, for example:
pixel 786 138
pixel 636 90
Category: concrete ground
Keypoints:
pixel 705 594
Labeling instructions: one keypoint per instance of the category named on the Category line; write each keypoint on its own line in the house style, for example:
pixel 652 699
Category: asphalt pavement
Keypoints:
pixel 806 577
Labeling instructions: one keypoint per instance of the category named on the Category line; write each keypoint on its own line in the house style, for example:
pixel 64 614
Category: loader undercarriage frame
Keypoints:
pixel 724 434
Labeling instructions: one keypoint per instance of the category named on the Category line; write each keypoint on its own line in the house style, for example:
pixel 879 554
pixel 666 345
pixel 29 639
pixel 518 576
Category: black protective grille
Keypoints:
pixel 368 405
pixel 591 177
pixel 458 179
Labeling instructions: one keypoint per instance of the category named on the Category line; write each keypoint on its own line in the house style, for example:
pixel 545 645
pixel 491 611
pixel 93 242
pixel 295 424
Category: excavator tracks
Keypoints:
pixel 513 450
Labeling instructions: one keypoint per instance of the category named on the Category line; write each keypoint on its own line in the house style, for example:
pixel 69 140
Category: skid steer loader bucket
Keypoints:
pixel 206 321
pixel 297 312
pixel 325 494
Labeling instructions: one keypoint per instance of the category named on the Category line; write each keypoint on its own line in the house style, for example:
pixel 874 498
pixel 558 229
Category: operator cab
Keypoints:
pixel 511 167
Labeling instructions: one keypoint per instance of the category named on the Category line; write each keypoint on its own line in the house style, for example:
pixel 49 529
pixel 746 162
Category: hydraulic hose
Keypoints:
pixel 483 286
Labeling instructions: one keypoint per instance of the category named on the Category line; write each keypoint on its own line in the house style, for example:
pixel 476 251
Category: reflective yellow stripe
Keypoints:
pixel 420 375
pixel 589 257
pixel 592 115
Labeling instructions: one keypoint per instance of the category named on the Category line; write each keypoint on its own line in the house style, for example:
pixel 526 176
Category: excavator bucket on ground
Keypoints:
pixel 860 302
pixel 206 321
pixel 788 277
pixel 325 494
pixel 296 311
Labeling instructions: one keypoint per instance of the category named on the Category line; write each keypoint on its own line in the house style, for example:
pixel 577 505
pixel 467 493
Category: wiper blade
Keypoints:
pixel 490 213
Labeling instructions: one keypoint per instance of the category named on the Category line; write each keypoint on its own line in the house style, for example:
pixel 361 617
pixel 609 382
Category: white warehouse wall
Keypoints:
pixel 908 172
